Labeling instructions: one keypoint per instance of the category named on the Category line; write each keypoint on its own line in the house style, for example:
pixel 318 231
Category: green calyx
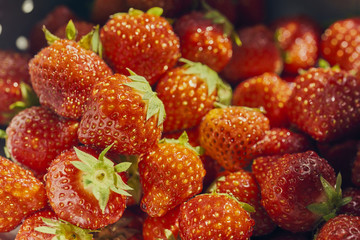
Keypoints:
pixel 329 208
pixel 184 141
pixel 211 78
pixel 29 98
pixel 157 11
pixel 64 230
pixel 247 207
pixel 101 176
pixel 90 41
pixel 220 19
pixel 154 105
pixel 3 134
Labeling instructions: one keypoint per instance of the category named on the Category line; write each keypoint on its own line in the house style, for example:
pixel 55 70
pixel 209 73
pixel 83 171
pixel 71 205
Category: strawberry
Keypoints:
pixel 102 9
pixel 353 207
pixel 45 225
pixel 188 93
pixel 37 135
pixel 86 191
pixel 340 45
pixel 298 190
pixel 20 194
pixel 325 104
pixel 261 166
pixel 268 91
pixel 180 174
pixel 215 216
pixel 172 8
pixel 278 141
pixel 64 73
pixel 340 227
pixel 355 171
pixel 299 40
pixel 243 186
pixel 14 65
pixel 228 134
pixel 54 19
pixel 163 227
pixel 257 54
pixel 205 38
pixel 143 42
pixel 123 111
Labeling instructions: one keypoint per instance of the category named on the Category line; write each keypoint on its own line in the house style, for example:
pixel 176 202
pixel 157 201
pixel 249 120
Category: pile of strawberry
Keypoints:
pixel 208 125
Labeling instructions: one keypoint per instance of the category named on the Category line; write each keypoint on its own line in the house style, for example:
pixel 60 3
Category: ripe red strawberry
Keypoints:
pixel 57 17
pixel 299 39
pixel 278 141
pixel 353 207
pixel 228 134
pixel 340 44
pixel 37 135
pixel 172 8
pixel 205 40
pixel 143 42
pixel 261 166
pixel 268 91
pixel 163 227
pixel 340 227
pixel 123 111
pixel 188 93
pixel 14 65
pixel 214 216
pixel 64 73
pixel 325 104
pixel 86 191
pixel 20 194
pixel 179 175
pixel 243 186
pixel 296 183
pixel 257 54
pixel 46 225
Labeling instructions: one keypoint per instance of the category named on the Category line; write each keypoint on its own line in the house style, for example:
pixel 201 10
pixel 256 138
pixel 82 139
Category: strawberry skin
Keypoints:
pixel 63 75
pixel 21 194
pixel 325 104
pixel 145 43
pixel 37 135
pixel 179 176
pixel 214 216
pixel 228 134
pixel 291 184
pixel 355 170
pixel 340 44
pixel 74 203
pixel 340 227
pixel 257 54
pixel 268 91
pixel 117 114
pixel 353 207
pixel 203 41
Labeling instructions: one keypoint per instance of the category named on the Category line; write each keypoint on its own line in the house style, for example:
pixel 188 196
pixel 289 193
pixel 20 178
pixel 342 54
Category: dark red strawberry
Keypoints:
pixel 57 17
pixel 243 186
pixel 340 227
pixel 299 39
pixel 325 104
pixel 102 9
pixel 123 111
pixel 172 8
pixel 143 42
pixel 179 175
pixel 20 194
pixel 355 171
pixel 278 141
pixel 214 216
pixel 37 135
pixel 46 225
pixel 268 91
pixel 204 39
pixel 353 207
pixel 340 44
pixel 85 189
pixel 257 54
pixel 228 134
pixel 163 227
pixel 64 73
pixel 297 183
pixel 14 65
pixel 189 93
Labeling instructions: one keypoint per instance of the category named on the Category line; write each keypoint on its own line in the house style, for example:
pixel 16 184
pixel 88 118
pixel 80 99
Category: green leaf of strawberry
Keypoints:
pixel 184 140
